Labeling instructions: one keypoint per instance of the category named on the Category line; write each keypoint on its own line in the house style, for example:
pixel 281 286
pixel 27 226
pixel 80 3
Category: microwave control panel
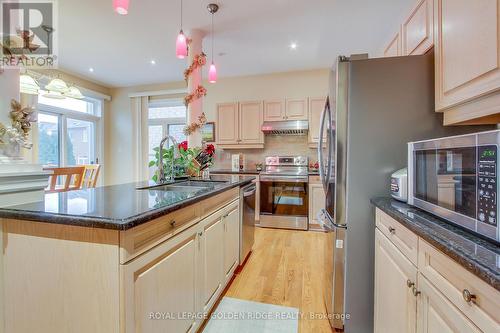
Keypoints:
pixel 487 185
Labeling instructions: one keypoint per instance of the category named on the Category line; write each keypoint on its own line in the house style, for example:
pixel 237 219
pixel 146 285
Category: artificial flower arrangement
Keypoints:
pixel 17 135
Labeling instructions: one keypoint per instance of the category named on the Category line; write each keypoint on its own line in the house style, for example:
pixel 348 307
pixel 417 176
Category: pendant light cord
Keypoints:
pixel 181 14
pixel 212 38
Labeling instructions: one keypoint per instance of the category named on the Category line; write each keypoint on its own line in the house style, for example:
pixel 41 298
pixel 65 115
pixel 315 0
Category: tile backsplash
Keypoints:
pixel 274 145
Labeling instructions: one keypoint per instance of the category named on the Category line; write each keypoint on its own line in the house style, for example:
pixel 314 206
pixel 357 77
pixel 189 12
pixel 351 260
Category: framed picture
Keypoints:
pixel 208 132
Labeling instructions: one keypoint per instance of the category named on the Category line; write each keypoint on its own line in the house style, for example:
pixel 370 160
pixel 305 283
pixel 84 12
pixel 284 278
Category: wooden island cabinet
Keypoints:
pixel 161 276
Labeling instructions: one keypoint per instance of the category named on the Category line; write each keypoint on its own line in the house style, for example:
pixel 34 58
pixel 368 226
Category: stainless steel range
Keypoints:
pixel 284 193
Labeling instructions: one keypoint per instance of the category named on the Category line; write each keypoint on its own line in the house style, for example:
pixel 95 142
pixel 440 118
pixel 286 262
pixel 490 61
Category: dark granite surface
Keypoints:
pixel 477 255
pixel 250 172
pixel 118 207
pixel 231 172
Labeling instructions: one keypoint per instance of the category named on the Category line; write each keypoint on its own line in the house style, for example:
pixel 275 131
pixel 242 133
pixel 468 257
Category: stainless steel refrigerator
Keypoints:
pixel 374 108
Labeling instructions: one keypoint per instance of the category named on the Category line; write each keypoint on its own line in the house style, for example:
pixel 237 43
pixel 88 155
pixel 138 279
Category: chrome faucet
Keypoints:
pixel 161 171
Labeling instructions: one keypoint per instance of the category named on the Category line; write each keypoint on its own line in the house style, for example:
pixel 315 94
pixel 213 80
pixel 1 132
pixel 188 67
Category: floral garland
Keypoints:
pixel 199 61
pixel 21 119
pixel 193 127
pixel 197 94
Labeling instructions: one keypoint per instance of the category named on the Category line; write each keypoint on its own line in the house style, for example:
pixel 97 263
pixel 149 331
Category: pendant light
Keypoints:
pixel 181 50
pixel 56 89
pixel 28 85
pixel 212 72
pixel 121 6
pixel 74 92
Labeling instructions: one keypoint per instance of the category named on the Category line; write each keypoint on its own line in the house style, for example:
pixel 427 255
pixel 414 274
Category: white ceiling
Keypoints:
pixel 252 36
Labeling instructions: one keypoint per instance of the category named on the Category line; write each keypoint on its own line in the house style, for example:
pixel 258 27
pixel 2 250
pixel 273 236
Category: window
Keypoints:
pixel 165 118
pixel 68 131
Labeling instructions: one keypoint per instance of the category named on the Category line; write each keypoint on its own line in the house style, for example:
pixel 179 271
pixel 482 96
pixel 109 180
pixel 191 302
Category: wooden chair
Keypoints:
pixel 73 177
pixel 90 175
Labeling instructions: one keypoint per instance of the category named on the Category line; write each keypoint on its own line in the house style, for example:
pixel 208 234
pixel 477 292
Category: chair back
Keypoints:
pixel 90 175
pixel 71 179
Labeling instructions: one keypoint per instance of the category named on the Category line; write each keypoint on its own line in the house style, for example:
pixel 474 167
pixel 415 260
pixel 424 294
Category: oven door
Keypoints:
pixel 284 202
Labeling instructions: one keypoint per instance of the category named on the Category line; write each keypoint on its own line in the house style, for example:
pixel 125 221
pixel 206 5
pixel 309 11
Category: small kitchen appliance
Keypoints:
pixel 456 178
pixel 399 185
pixel 284 196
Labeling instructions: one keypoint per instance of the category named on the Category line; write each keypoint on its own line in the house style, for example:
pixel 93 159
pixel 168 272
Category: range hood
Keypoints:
pixel 288 127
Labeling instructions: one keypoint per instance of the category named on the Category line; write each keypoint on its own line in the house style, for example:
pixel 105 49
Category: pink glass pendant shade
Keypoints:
pixel 212 74
pixel 181 46
pixel 121 6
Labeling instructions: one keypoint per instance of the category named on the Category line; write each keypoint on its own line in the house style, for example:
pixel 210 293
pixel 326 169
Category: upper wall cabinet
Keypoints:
pixel 227 119
pixel 417 32
pixel 274 110
pixel 239 125
pixel 316 107
pixel 296 109
pixel 394 47
pixel 290 109
pixel 467 60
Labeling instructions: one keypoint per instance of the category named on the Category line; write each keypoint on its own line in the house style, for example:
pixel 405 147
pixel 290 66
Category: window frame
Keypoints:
pixel 64 114
pixel 163 122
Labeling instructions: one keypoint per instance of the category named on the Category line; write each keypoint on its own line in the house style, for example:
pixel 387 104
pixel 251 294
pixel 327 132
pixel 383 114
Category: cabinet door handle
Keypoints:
pixel 410 284
pixel 468 296
pixel 415 292
pixel 392 230
pixel 173 223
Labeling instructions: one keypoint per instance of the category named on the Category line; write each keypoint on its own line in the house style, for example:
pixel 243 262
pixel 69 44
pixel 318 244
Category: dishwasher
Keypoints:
pixel 247 227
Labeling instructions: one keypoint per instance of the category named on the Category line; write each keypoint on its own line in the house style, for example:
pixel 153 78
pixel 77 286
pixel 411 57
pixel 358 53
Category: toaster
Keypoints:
pixel 399 185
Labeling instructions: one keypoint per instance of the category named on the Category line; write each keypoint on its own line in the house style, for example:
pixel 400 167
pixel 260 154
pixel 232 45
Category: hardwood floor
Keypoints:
pixel 285 268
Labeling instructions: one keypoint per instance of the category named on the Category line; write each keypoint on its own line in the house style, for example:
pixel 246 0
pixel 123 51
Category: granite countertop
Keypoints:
pixel 118 207
pixel 231 172
pixel 477 255
pixel 251 172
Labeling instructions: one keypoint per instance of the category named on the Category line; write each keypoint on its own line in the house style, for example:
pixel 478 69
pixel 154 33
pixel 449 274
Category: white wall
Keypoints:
pixel 9 89
pixel 120 122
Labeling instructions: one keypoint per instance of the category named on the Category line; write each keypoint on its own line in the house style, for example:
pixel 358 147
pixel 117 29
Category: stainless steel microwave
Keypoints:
pixel 456 178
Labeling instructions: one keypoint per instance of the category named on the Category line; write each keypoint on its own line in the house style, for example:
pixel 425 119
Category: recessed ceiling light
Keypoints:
pixel 293 46
pixel 91 70
pixel 153 62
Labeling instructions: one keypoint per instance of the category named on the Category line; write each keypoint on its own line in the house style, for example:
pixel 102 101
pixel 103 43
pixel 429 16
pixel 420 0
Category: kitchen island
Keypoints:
pixel 124 258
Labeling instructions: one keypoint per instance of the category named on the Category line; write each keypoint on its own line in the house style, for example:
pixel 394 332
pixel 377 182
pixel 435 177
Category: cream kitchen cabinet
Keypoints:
pixel 213 253
pixel 296 109
pixel 164 280
pixel 228 124
pixel 274 110
pixel 316 107
pixel 417 31
pixel 395 277
pixel 231 221
pixel 428 293
pixel 437 314
pixel 316 202
pixel 394 49
pixel 239 125
pixel 289 109
pixel 467 61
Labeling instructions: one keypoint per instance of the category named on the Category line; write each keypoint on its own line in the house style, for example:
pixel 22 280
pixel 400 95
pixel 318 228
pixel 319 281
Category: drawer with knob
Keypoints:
pixel 473 297
pixel 405 240
pixel 138 240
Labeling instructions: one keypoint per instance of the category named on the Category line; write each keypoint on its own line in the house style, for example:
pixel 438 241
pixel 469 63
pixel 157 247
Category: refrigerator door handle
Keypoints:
pixel 322 175
pixel 328 224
